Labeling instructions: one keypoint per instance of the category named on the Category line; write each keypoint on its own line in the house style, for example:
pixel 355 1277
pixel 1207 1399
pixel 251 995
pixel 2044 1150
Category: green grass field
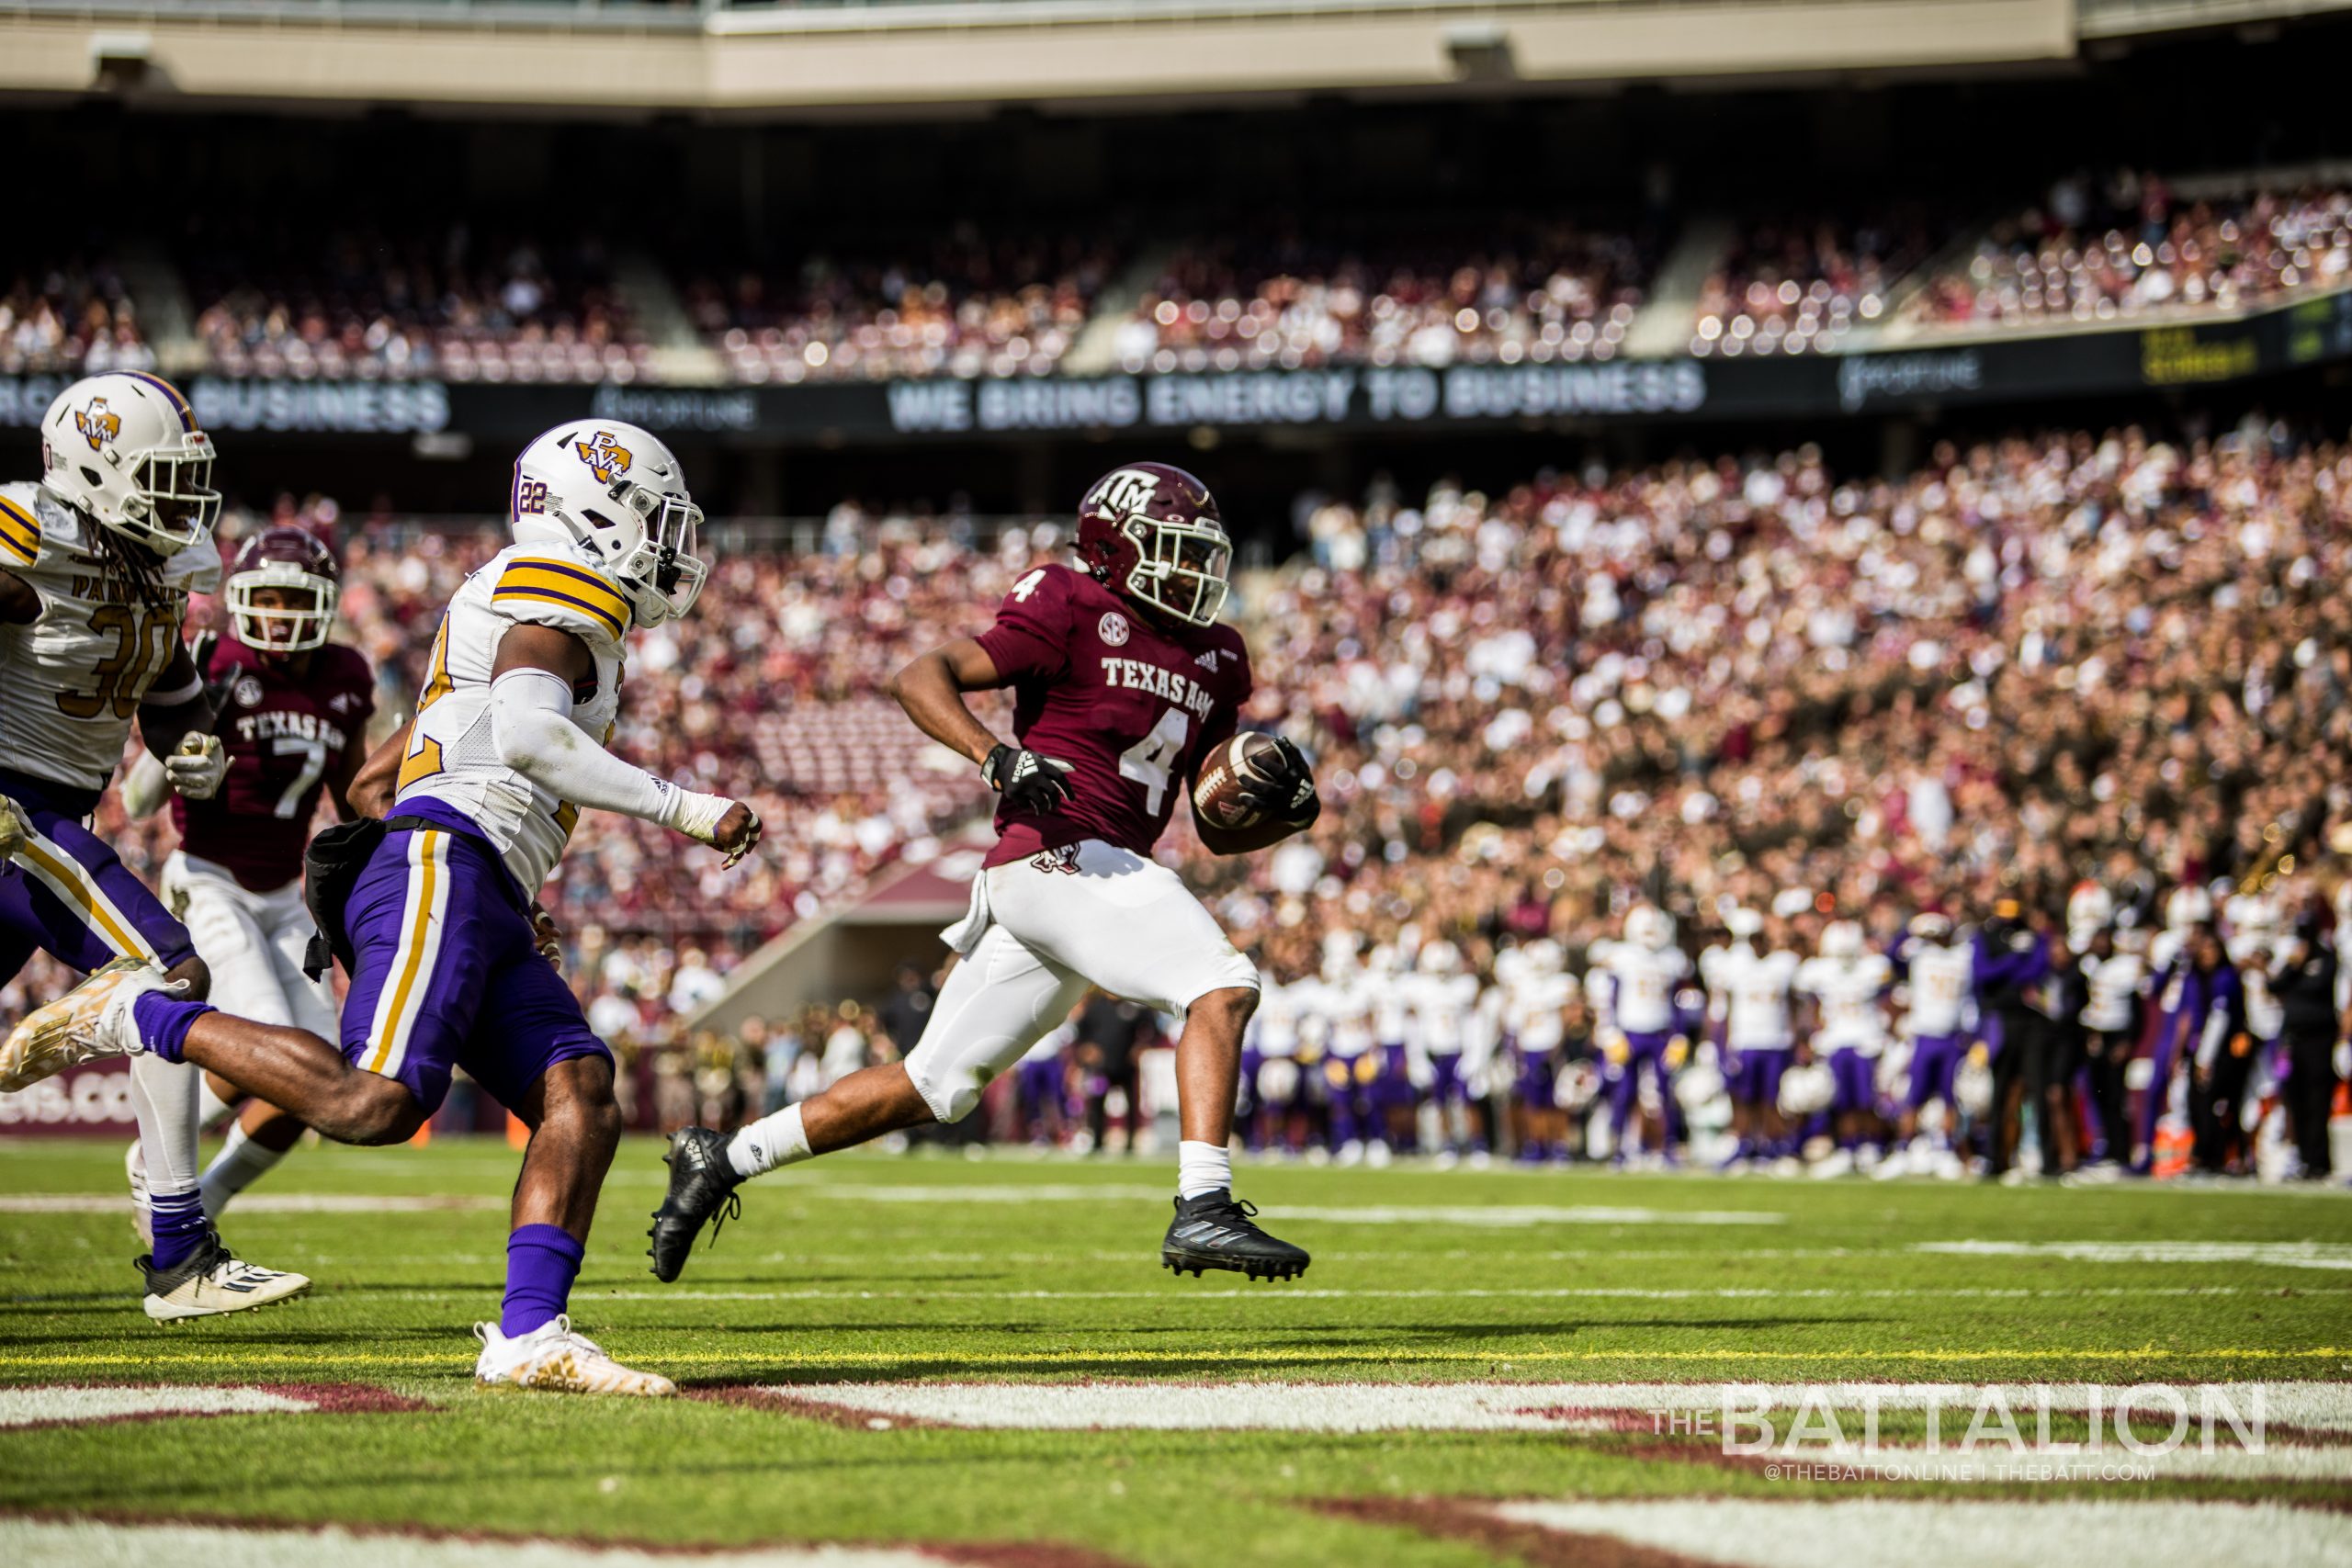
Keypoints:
pixel 896 1270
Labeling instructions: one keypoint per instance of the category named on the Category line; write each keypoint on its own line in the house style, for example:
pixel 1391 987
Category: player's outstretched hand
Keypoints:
pixel 738 832
pixel 1026 780
pixel 1286 791
pixel 197 768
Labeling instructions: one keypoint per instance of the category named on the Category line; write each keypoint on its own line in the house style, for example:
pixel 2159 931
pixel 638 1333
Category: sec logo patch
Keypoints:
pixel 1113 629
pixel 247 694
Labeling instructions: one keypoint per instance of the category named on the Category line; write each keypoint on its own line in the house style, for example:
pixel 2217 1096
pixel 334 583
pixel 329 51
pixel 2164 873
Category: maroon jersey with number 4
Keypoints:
pixel 1131 704
pixel 285 738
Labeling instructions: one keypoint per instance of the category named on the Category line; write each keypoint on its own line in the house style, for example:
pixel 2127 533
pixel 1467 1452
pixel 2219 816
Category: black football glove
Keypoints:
pixel 1027 781
pixel 1286 793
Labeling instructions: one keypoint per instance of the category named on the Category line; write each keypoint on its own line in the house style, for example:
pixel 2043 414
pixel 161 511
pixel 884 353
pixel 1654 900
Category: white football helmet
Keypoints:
pixel 618 495
pixel 1441 957
pixel 1544 957
pixel 1745 925
pixel 1649 928
pixel 2089 906
pixel 1841 939
pixel 2188 906
pixel 1806 1090
pixel 1928 926
pixel 124 449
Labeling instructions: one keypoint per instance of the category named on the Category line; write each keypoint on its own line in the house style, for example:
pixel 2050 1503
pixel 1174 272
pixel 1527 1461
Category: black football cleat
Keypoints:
pixel 702 1188
pixel 1213 1231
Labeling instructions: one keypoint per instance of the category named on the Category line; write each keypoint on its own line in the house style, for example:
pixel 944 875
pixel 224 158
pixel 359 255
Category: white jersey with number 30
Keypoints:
pixel 78 671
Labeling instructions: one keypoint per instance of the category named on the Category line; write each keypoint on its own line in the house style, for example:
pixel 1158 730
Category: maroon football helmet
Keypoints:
pixel 291 560
pixel 1151 532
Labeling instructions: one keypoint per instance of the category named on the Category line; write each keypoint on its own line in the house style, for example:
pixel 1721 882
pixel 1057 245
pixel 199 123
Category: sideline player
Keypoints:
pixel 1845 981
pixel 1634 982
pixel 97 564
pixel 1937 971
pixel 1758 1037
pixel 434 919
pixel 1123 680
pixel 293 718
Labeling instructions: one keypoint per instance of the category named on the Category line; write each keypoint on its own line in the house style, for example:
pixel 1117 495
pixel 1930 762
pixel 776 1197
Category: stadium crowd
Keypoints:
pixel 276 300
pixel 1797 287
pixel 2129 244
pixel 957 304
pixel 1757 696
pixel 68 313
pixel 1544 292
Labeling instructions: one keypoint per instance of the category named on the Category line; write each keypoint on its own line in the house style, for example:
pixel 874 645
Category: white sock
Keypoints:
pixel 233 1169
pixel 210 1108
pixel 164 1097
pixel 768 1143
pixel 1202 1167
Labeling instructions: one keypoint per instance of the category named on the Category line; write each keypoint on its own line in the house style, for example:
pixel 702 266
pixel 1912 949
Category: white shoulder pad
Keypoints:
pixel 549 587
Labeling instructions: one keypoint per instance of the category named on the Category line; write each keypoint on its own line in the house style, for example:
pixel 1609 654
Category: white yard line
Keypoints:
pixel 2278 1254
pixel 1900 1533
pixel 265 1203
pixel 36 1543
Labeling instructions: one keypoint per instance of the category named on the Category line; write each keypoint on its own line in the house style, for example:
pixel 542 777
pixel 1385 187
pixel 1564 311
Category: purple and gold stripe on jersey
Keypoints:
pixel 20 531
pixel 172 394
pixel 532 578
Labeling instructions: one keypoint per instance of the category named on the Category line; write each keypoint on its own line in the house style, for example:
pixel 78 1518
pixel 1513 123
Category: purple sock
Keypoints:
pixel 180 1225
pixel 163 1020
pixel 541 1263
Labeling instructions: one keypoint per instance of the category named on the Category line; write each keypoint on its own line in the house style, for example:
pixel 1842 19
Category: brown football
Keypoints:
pixel 1216 796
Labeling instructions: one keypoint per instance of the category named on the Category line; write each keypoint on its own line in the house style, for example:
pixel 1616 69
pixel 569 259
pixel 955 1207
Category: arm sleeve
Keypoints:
pixel 531 724
pixel 1031 638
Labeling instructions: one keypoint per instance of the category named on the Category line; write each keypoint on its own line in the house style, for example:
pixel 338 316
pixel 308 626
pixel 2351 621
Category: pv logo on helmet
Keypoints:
pixel 98 424
pixel 606 456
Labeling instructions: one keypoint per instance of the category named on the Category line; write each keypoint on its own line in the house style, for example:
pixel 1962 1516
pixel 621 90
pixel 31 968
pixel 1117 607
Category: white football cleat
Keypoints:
pixel 143 1219
pixel 92 1020
pixel 214 1281
pixel 556 1358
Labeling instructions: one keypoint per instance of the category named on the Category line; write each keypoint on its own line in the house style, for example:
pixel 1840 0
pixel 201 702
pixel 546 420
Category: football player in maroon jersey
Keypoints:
pixel 1123 681
pixel 293 711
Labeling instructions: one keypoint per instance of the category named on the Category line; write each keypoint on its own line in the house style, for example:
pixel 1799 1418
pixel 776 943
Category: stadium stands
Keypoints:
pixel 2130 247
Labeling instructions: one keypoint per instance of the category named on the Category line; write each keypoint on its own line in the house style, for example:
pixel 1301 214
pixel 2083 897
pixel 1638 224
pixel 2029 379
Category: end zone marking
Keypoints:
pixel 1803 1532
pixel 1462 1406
pixel 78 1405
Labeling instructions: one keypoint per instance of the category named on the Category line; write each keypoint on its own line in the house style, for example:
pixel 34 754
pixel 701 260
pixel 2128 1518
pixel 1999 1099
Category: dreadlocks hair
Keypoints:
pixel 119 557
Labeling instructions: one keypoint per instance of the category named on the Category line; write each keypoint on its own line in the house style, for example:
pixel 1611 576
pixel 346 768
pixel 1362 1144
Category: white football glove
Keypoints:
pixel 197 768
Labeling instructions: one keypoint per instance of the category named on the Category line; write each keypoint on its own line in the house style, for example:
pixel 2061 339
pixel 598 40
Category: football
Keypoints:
pixel 1217 793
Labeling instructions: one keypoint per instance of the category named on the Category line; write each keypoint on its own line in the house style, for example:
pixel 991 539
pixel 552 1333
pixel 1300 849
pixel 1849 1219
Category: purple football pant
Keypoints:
pixel 1538 1078
pixel 1756 1075
pixel 1643 1049
pixel 448 973
pixel 1446 1086
pixel 66 893
pixel 2164 1057
pixel 1855 1076
pixel 1392 1091
pixel 1935 1062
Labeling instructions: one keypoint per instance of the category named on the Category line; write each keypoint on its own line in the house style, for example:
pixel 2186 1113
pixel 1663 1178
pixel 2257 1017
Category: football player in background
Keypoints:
pixel 1845 981
pixel 293 711
pixel 1752 991
pixel 1938 973
pixel 1535 1028
pixel 1124 680
pixel 1445 997
pixel 1633 985
pixel 434 919
pixel 2115 972
pixel 97 564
